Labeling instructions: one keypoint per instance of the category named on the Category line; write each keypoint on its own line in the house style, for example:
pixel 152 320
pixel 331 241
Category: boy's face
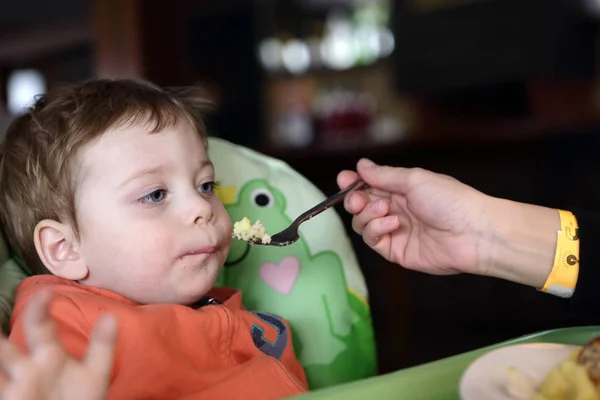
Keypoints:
pixel 151 227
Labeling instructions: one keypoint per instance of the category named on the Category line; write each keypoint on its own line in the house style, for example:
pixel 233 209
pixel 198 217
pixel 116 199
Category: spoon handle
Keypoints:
pixel 331 201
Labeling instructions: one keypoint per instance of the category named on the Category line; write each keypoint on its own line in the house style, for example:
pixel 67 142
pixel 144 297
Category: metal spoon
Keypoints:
pixel 290 234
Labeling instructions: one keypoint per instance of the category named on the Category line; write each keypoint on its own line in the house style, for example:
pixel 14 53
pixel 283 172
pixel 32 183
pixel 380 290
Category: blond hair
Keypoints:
pixel 39 149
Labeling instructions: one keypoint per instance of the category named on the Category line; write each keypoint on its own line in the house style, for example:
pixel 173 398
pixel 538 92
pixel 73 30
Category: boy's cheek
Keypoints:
pixel 224 220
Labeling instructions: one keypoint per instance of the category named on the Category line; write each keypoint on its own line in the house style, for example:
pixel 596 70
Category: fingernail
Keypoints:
pixel 375 206
pixel 390 221
pixel 367 163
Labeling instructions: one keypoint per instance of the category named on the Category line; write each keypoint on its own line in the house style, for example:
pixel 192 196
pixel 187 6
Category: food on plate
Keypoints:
pixel 520 386
pixel 589 357
pixel 576 378
pixel 245 230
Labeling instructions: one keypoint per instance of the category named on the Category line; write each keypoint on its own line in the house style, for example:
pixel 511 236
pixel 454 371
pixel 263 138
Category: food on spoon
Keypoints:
pixel 245 230
pixel 576 378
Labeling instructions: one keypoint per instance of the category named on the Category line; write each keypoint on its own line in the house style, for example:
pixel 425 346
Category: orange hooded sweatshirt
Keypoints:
pixel 165 351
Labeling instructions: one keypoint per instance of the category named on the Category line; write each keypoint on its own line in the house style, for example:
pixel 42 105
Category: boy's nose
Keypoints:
pixel 201 210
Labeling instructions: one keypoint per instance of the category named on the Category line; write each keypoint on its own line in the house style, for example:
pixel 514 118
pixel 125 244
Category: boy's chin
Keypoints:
pixel 191 291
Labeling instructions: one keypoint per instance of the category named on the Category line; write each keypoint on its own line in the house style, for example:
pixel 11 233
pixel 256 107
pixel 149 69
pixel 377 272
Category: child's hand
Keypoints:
pixel 48 372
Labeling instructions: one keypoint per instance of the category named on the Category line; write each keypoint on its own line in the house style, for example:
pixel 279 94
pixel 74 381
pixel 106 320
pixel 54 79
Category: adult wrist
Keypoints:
pixel 519 241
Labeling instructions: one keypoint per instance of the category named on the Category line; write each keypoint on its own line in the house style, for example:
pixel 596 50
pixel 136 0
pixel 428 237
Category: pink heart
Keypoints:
pixel 282 276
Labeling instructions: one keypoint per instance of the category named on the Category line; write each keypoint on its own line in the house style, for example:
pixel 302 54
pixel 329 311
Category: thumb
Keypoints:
pixel 390 179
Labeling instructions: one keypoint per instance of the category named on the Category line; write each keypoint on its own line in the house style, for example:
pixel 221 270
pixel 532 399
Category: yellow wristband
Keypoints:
pixel 563 278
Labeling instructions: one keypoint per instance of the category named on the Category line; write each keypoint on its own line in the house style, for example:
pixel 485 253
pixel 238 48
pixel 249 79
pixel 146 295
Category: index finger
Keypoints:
pixel 355 201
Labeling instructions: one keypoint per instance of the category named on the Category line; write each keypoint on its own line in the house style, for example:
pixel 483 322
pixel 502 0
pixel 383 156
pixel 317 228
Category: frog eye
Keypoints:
pixel 262 198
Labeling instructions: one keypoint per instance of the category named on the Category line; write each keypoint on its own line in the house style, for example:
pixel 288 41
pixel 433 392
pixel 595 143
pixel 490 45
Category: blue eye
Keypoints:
pixel 207 187
pixel 155 197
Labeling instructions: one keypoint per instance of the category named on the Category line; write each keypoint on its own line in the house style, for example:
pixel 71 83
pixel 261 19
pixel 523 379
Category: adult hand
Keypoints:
pixel 414 217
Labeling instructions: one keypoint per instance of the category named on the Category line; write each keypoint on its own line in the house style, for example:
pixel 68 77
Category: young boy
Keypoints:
pixel 107 195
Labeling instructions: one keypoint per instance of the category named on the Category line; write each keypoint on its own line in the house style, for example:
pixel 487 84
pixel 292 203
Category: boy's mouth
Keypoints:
pixel 196 252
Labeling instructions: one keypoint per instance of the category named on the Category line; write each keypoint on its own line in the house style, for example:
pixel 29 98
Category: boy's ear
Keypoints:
pixel 56 246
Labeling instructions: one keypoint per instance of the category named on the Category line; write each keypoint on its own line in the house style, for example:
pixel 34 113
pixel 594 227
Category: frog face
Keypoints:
pixel 309 290
pixel 257 200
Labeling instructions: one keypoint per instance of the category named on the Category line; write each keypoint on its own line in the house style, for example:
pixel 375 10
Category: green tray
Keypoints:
pixel 439 380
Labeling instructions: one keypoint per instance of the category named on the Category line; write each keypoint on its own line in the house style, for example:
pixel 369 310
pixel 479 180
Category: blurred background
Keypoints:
pixel 501 94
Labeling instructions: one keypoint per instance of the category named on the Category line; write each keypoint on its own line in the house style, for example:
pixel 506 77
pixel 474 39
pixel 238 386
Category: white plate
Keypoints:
pixel 486 378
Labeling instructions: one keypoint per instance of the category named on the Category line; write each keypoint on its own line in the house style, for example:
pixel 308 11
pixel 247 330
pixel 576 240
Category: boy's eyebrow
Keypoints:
pixel 206 163
pixel 141 173
pixel 157 170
